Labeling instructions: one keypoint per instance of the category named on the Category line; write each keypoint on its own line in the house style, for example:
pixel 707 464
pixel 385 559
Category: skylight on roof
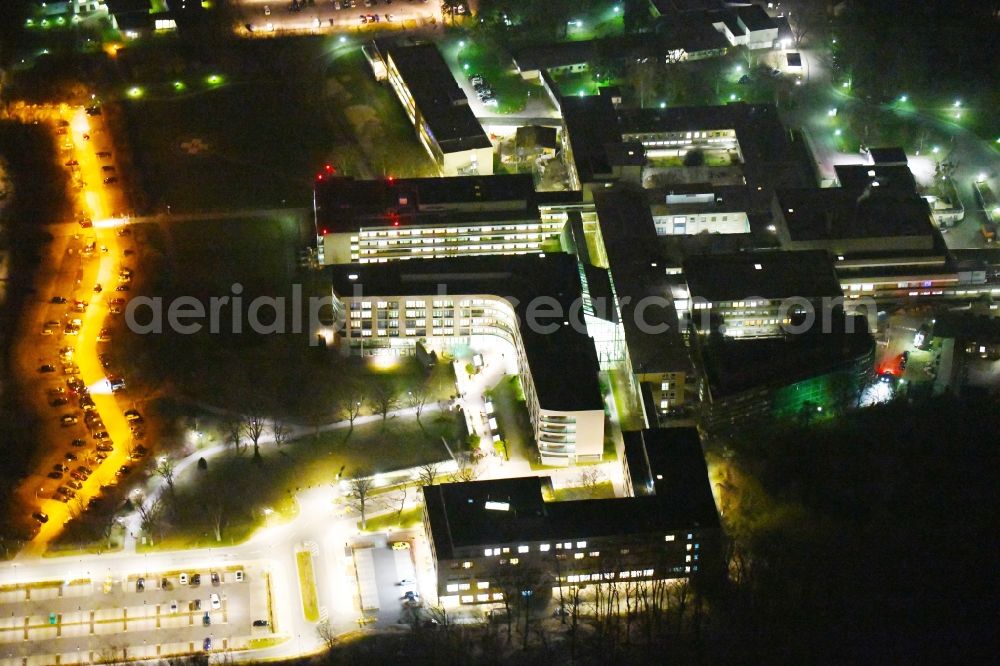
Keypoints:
pixel 758 267
pixel 497 506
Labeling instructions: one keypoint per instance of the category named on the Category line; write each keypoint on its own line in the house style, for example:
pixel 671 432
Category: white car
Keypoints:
pixel 215 601
pixel 239 575
pixel 184 579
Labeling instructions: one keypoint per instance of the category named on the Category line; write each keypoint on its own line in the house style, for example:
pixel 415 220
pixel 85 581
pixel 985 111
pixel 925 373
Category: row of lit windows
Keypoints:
pixel 420 231
pixel 467 244
pixel 586 578
pixel 462 587
pixel 545 547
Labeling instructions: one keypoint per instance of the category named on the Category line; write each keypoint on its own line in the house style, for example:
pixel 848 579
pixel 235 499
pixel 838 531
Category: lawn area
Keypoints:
pixel 244 125
pixel 392 520
pixel 603 490
pixel 307 585
pixel 193 514
pixel 512 417
pixel 626 403
pixel 231 146
pixel 370 112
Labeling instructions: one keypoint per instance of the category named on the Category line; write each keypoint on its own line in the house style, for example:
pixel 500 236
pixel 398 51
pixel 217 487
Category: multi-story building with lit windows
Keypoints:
pixel 481 532
pixel 436 105
pixel 757 294
pixel 376 221
pixel 532 306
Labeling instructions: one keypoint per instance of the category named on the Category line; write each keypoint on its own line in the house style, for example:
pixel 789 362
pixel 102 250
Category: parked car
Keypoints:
pixel 260 623
pixel 140 584
pixel 183 579
pixel 40 517
pixel 215 601
pixel 215 578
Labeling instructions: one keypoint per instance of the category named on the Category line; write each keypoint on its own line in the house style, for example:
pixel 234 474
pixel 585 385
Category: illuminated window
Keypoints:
pixel 506 550
pixel 522 549
pixel 578 556
pixel 544 547
pixel 482 597
pixel 467 598
pixel 689 546
pixel 581 544
pixel 464 586
pixel 483 584
pixel 498 596
pixel 466 565
pixel 514 560
pixel 595 553
pixel 488 552
pixel 453 587
pixel 687 558
pixel 669 537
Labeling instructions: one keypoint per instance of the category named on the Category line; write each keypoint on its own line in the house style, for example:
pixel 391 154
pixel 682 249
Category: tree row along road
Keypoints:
pixel 79 138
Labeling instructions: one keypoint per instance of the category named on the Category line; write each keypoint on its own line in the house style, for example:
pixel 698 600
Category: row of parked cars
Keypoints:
pixel 486 93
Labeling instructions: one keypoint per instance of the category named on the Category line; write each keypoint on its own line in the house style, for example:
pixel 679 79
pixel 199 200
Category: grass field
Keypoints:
pixel 371 114
pixel 307 585
pixel 253 487
pixel 603 490
pixel 408 518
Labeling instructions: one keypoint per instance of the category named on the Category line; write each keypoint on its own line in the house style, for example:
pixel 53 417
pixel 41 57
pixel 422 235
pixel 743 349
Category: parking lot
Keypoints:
pixel 87 620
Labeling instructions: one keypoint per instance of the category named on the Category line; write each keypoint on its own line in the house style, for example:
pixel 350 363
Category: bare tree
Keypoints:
pixel 400 496
pixel 417 398
pixel 253 427
pixel 428 473
pixel 468 470
pixel 383 400
pixel 107 526
pixel 280 431
pixel 165 470
pixel 150 515
pixel 590 478
pixel 218 514
pixel 232 429
pixel 351 403
pixel 358 494
pixel 327 634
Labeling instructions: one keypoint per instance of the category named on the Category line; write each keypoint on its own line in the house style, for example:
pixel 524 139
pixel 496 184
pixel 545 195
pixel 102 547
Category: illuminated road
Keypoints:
pixel 268 16
pixel 75 279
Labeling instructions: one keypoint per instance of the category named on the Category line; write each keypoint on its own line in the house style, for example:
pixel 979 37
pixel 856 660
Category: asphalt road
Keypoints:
pixel 71 271
pixel 266 16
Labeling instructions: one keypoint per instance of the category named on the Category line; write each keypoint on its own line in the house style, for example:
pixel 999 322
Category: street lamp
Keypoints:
pixel 837 132
pixel 981 177
pixel 903 98
pixel 957 103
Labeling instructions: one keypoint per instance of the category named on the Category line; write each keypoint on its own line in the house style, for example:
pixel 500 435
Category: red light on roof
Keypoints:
pixel 325 231
pixel 319 176
pixel 329 168
pixel 391 179
pixel 396 223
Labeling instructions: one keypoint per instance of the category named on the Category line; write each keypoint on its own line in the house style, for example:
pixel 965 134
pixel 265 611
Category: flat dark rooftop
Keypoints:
pixel 592 125
pixel 460 518
pixel 838 213
pixel 346 204
pixel 733 366
pixel 771 274
pixel 670 463
pixel 441 101
pixel 891 155
pixel 563 362
pixel 637 269
pixel 755 18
